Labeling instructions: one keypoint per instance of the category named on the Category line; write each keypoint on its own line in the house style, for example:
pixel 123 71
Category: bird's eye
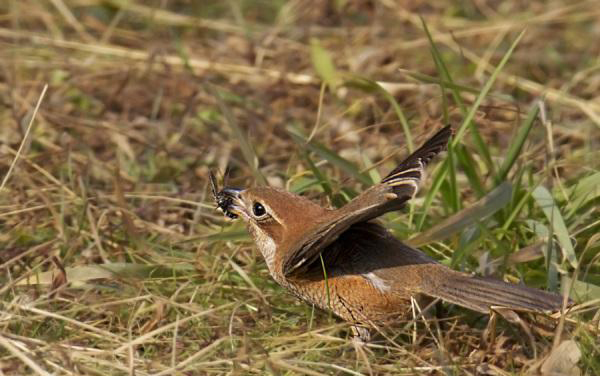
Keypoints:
pixel 258 209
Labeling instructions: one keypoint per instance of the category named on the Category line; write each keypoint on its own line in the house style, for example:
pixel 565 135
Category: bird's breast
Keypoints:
pixel 354 298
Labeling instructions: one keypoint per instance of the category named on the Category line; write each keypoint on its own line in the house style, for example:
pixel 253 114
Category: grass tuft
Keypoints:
pixel 113 259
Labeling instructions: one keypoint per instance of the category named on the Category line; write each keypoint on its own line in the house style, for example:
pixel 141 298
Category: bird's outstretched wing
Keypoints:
pixel 390 194
pixel 404 180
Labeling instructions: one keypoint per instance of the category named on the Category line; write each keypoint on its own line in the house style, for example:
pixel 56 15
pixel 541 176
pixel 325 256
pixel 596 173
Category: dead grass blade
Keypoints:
pixel 242 139
pixel 25 137
pixel 14 350
pixel 165 328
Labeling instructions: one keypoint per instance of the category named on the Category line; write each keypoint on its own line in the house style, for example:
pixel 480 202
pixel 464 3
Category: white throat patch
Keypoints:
pixel 266 246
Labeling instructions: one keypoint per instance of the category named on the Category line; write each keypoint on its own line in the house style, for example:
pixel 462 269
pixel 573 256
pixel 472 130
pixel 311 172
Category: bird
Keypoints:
pixel 346 262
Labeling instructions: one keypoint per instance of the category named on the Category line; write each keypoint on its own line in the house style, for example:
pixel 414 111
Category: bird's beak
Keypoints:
pixel 234 193
pixel 229 200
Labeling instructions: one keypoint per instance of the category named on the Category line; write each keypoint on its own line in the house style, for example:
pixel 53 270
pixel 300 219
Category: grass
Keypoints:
pixel 114 261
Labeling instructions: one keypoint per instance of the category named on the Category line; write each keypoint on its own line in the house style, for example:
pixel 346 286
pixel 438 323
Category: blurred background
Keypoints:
pixel 113 259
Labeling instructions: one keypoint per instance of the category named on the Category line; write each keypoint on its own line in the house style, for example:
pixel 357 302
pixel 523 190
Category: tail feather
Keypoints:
pixel 480 294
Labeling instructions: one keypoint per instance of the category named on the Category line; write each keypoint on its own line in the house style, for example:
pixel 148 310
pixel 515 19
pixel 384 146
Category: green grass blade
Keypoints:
pixel 469 166
pixel 517 143
pixel 329 155
pixel 454 194
pixel 427 79
pixel 242 140
pixel 369 168
pixel 514 212
pixel 583 291
pixel 371 86
pixel 584 191
pixel 438 180
pixel 463 128
pixel 323 64
pixel 551 261
pixel 323 181
pixel 544 200
pixel 483 208
pixel 445 74
pixel 486 88
pixel 442 70
pixel 326 280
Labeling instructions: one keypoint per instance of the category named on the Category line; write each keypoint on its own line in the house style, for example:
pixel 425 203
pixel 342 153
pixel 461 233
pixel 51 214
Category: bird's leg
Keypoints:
pixel 424 315
pixel 361 334
pixel 512 317
pixel 360 345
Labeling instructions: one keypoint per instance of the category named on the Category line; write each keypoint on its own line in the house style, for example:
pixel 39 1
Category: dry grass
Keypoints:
pixel 114 261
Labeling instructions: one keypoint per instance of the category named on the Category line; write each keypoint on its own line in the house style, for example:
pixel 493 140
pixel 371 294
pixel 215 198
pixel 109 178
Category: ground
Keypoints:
pixel 113 259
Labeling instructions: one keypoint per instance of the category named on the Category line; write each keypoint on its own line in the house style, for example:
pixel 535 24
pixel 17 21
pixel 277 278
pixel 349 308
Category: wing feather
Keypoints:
pixel 390 194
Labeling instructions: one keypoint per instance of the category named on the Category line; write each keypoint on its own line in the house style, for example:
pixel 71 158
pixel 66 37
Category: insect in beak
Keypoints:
pixel 225 197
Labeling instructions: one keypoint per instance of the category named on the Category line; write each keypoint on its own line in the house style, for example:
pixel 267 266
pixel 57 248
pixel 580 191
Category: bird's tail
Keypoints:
pixel 481 294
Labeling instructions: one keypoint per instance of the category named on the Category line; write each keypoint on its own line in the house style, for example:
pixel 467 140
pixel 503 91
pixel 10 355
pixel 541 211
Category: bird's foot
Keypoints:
pixel 361 334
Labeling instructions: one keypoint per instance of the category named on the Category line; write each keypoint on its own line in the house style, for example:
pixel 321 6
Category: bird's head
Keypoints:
pixel 276 219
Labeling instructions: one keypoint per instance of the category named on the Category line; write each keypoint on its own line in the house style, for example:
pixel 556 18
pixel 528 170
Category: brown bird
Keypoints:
pixel 341 260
